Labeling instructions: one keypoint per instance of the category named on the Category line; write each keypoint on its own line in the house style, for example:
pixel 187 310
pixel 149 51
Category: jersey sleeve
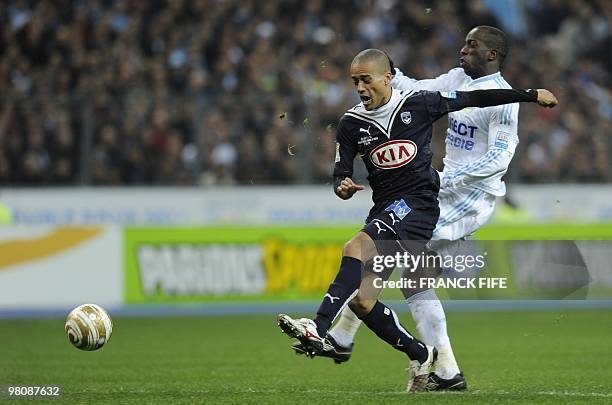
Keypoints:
pixel 502 143
pixel 346 150
pixel 446 82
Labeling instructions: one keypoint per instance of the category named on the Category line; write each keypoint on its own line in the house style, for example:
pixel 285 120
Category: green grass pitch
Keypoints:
pixel 555 356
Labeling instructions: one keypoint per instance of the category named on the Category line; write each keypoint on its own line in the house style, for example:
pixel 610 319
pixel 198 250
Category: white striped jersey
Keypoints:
pixel 480 142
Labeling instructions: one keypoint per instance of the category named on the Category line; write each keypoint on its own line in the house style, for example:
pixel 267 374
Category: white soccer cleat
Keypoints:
pixel 304 330
pixel 419 372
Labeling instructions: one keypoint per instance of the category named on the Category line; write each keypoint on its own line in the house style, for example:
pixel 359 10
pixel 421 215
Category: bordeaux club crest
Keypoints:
pixel 406 117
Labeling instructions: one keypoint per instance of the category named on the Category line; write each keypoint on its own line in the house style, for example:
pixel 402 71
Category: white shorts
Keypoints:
pixel 462 212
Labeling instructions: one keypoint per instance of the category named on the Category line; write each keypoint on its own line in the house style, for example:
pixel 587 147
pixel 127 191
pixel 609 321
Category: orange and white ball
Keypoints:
pixel 88 327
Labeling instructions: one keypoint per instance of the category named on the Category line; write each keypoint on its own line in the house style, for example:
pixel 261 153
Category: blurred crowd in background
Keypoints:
pixel 211 92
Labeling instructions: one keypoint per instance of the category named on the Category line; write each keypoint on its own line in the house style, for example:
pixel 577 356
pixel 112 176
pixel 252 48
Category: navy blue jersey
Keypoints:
pixel 394 142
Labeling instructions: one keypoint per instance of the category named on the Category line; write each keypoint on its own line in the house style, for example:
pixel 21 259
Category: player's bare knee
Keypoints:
pixel 361 247
pixel 354 247
pixel 361 305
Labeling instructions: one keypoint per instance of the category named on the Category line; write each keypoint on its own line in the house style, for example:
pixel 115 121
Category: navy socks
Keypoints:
pixel 383 321
pixel 340 292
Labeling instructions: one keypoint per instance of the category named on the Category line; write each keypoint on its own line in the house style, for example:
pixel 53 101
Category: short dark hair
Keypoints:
pixel 494 38
pixel 380 58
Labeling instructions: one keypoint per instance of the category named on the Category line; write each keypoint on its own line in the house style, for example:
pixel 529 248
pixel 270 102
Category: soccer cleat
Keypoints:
pixel 338 353
pixel 435 383
pixel 419 372
pixel 304 330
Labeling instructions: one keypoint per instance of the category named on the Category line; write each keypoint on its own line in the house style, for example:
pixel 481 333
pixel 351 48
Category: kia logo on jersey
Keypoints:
pixel 393 154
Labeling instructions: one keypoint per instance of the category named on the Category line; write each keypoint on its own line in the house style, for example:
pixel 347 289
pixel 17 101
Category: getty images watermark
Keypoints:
pixel 461 271
pixel 492 269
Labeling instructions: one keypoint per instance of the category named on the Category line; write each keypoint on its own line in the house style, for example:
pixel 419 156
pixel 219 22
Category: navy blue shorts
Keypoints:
pixel 410 222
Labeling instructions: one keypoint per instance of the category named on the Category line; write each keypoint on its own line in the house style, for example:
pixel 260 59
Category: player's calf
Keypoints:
pixel 383 321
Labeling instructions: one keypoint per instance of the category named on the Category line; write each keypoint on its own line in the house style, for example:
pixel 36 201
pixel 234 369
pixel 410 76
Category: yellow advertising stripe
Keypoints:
pixel 57 241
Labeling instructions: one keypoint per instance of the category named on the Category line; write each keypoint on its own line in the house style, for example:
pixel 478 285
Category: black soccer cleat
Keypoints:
pixel 333 350
pixel 435 383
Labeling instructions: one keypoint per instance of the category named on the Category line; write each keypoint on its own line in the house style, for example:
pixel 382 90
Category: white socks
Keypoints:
pixel 430 319
pixel 345 329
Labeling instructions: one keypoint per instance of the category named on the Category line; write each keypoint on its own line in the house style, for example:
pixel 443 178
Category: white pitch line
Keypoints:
pixel 347 392
pixel 576 394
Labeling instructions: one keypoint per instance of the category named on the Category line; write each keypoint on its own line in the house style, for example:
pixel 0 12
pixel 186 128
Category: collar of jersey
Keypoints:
pixel 492 76
pixel 381 117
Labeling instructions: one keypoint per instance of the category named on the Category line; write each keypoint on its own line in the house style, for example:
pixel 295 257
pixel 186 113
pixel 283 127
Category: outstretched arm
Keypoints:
pixel 493 97
pixel 440 104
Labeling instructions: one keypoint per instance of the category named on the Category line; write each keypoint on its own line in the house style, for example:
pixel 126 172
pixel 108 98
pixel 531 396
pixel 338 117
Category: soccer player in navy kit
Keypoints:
pixel 480 143
pixel 391 130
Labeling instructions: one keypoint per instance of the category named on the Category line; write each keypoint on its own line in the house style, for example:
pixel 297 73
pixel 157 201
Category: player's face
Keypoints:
pixel 474 55
pixel 373 87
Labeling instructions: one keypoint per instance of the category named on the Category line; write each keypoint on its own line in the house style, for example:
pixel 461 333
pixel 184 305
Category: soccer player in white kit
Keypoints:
pixel 480 143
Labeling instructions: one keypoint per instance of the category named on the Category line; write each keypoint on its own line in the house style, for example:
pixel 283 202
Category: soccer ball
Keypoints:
pixel 88 327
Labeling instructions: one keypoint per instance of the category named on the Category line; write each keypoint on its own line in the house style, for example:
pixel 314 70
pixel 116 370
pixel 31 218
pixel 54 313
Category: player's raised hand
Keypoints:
pixel 347 188
pixel 546 98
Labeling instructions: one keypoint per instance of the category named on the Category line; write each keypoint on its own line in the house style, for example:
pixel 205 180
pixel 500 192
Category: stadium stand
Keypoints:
pixel 209 92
